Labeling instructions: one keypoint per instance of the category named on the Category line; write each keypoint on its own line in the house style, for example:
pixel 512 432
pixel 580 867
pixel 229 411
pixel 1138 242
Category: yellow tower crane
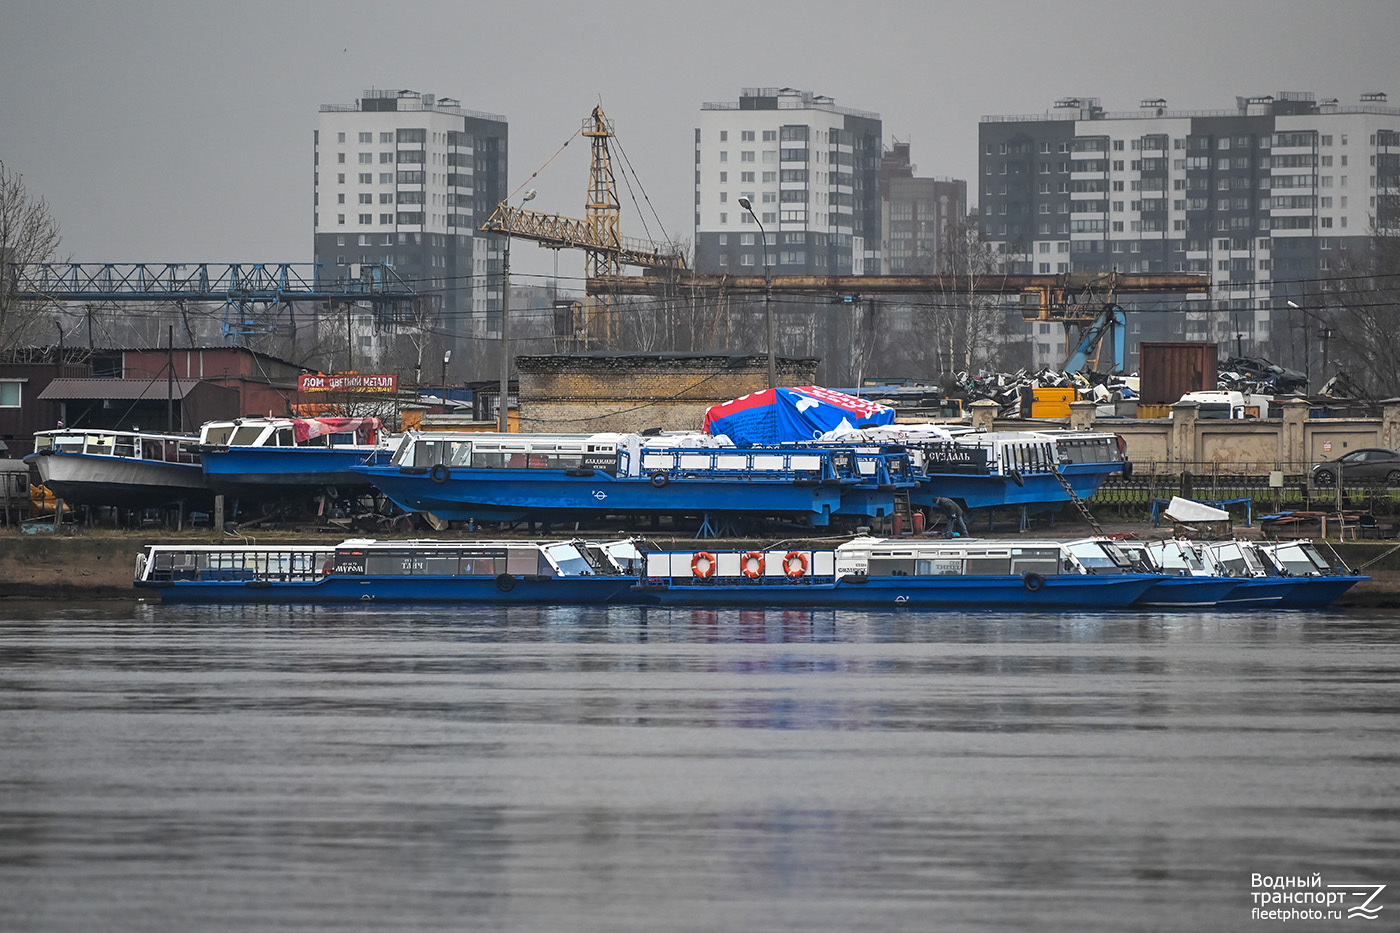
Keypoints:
pixel 598 234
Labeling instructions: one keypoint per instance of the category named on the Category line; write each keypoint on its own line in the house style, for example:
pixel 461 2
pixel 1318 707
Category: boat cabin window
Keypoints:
pixel 1295 560
pixel 285 438
pixel 1178 560
pixel 218 435
pixel 1042 560
pixel 1095 556
pixel 1236 561
pixel 571 560
pixel 398 562
pixel 245 435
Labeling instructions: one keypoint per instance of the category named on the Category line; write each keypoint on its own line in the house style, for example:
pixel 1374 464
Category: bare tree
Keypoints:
pixel 1361 307
pixel 28 234
pixel 967 321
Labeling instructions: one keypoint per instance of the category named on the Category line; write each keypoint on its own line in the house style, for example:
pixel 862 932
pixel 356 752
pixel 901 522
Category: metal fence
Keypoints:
pixel 1270 485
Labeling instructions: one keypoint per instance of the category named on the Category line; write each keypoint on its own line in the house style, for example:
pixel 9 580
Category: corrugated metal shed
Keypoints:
pixel 126 389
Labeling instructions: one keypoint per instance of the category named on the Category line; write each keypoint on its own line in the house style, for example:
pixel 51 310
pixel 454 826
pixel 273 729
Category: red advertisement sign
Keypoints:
pixel 349 382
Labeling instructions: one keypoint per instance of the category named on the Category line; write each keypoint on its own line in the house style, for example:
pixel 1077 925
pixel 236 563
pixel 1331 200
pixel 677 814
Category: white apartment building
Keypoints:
pixel 810 170
pixel 1266 197
pixel 405 179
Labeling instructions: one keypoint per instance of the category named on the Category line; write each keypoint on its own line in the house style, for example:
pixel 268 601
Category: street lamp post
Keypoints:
pixel 747 205
pixel 1325 332
pixel 446 358
pixel 503 413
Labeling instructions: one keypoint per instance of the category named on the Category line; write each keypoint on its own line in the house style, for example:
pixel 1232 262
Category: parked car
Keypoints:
pixel 1368 465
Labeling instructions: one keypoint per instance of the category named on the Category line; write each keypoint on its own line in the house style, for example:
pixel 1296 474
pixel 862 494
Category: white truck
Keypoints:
pixel 1228 405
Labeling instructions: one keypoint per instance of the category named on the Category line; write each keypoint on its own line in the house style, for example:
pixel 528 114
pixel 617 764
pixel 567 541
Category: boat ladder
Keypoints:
pixel 1079 503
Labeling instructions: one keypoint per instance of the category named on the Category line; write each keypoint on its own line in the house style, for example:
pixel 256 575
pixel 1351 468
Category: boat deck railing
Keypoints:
pixel 176 564
pixel 135 445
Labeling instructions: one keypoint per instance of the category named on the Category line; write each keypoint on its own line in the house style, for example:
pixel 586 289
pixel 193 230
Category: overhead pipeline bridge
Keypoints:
pixel 243 288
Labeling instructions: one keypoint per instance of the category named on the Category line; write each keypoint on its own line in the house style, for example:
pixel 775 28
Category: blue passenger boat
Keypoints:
pixel 508 477
pixel 902 573
pixel 1008 469
pixel 1188 583
pixel 267 457
pixel 363 571
pixel 1317 582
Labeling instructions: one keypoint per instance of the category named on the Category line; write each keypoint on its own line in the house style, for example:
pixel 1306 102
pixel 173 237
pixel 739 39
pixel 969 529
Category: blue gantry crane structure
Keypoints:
pixel 252 293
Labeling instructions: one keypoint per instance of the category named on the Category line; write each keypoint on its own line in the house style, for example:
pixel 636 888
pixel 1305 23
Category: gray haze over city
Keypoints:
pixel 182 132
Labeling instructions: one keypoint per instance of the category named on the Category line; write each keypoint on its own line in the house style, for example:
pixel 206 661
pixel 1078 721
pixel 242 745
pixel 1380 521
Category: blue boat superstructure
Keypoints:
pixel 991 470
pixel 898 573
pixel 1317 582
pixel 130 469
pixel 269 457
pixel 460 476
pixel 419 571
pixel 1190 583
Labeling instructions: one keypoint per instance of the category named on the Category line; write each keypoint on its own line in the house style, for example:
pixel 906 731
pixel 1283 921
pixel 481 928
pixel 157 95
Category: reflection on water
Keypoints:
pixel 643 769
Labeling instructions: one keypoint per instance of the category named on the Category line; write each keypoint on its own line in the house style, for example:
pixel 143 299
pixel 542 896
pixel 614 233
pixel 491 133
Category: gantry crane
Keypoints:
pixel 598 234
pixel 1083 303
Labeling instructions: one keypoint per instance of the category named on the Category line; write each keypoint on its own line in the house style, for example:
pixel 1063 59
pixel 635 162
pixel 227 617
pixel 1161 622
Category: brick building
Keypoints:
pixel 627 392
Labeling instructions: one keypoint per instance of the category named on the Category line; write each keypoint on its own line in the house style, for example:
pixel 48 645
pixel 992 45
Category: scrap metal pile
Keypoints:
pixel 1256 376
pixel 1012 391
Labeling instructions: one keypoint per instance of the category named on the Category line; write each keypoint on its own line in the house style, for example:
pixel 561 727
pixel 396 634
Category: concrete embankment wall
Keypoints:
pixel 79 567
pixel 101 567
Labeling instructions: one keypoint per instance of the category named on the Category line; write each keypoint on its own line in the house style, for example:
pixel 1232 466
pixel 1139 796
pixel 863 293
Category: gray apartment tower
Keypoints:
pixel 405 178
pixel 916 214
pixel 1265 196
pixel 811 171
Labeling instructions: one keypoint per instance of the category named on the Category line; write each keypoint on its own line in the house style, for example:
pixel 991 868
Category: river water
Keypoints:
pixel 254 768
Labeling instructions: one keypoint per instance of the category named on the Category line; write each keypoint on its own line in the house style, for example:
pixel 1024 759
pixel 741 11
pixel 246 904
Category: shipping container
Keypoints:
pixel 1048 403
pixel 1170 370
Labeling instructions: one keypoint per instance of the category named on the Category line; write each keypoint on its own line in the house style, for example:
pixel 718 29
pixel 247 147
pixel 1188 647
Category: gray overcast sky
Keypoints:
pixel 182 131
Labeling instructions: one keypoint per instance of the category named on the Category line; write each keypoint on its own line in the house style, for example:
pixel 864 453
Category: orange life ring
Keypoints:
pixel 795 565
pixel 752 565
pixel 703 565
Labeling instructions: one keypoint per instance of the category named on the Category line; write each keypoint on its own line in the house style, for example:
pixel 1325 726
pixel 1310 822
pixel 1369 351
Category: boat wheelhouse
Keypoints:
pixel 127 469
pixel 416 571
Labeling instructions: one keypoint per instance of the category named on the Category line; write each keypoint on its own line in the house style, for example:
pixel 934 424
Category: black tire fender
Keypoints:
pixel 1127 469
pixel 505 582
pixel 659 479
pixel 1017 478
pixel 440 473
pixel 1033 581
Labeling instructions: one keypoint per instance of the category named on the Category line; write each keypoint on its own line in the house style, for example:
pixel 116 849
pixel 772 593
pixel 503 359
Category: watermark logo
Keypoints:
pixel 1305 897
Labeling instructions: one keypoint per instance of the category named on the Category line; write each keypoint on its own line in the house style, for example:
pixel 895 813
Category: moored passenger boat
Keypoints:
pixel 1317 582
pixel 363 570
pixel 1189 583
pixel 902 573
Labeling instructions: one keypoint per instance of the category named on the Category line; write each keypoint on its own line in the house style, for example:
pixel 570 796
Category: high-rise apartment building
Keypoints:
pixel 917 215
pixel 405 178
pixel 1265 197
pixel 811 171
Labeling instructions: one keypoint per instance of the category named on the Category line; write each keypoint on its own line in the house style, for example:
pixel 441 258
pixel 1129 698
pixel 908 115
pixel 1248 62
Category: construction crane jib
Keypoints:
pixel 598 234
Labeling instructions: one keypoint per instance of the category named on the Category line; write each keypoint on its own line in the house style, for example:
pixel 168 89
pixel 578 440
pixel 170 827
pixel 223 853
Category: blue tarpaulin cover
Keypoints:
pixel 782 415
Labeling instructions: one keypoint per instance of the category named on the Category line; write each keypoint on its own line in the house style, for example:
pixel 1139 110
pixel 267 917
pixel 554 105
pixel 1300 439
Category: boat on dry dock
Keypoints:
pixel 267 457
pixel 125 469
